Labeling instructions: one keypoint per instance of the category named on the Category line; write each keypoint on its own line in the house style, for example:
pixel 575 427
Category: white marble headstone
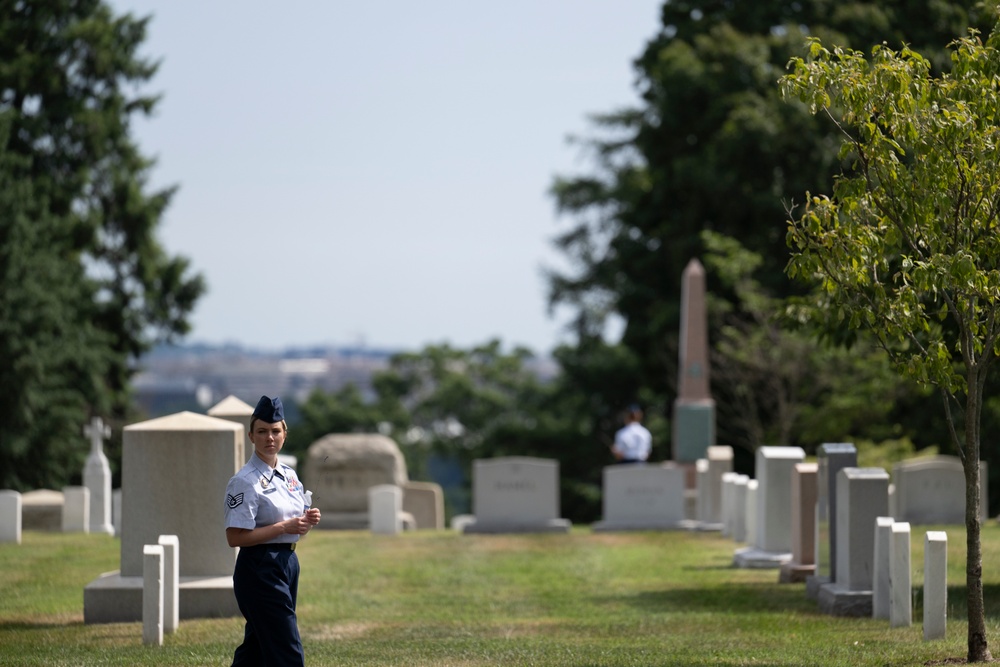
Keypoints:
pixel 932 490
pixel 10 516
pixel 642 497
pixel 516 494
pixel 385 505
pixel 76 510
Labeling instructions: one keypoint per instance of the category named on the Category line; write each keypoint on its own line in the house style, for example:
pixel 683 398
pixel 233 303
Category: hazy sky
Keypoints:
pixel 378 172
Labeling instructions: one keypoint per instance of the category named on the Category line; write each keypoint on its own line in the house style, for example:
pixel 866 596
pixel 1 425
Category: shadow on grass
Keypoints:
pixel 15 626
pixel 751 598
pixel 957 607
pixel 734 599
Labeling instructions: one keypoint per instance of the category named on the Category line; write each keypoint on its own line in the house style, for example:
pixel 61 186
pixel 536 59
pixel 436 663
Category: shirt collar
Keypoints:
pixel 265 470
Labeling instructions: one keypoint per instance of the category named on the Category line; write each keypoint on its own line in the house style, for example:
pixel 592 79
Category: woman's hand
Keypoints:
pixel 298 525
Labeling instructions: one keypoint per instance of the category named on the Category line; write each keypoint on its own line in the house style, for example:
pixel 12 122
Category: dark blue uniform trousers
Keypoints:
pixel 266 582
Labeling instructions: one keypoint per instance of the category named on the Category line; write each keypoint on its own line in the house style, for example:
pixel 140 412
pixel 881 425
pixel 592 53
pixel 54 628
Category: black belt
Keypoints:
pixel 280 546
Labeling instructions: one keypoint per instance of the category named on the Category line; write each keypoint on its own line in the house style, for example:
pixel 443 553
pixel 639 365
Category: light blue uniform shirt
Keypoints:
pixel 259 496
pixel 633 442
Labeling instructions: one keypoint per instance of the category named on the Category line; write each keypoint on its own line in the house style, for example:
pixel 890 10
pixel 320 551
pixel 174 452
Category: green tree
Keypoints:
pixel 711 146
pixel 774 384
pixel 908 245
pixel 54 357
pixel 69 82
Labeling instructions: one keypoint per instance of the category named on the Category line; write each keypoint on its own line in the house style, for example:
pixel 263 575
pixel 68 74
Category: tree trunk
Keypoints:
pixel 978 649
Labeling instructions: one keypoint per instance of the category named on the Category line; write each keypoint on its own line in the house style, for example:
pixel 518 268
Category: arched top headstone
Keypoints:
pixel 341 467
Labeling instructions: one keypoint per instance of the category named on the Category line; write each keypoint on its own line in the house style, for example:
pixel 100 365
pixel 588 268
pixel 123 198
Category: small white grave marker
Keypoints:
pixel 881 592
pixel 152 594
pixel 935 584
pixel 76 510
pixel 171 582
pixel 385 503
pixel 10 516
pixel 900 579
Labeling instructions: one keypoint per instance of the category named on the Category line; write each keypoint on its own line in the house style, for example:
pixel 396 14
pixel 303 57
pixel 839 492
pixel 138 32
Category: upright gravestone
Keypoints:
pixel 174 475
pixel 740 507
pixel 935 584
pixel 862 497
pixel 424 501
pixel 385 508
pixel 42 509
pixel 772 542
pixel 76 510
pixel 720 462
pixel 694 409
pixel 171 582
pixel 728 491
pixel 152 595
pixel 750 512
pixel 642 497
pixel 881 586
pixel 931 490
pixel 10 516
pixel 831 458
pixel 900 577
pixel 97 477
pixel 516 494
pixel 803 562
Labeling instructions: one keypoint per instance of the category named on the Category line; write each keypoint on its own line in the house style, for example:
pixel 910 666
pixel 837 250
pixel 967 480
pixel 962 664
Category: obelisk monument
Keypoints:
pixel 694 409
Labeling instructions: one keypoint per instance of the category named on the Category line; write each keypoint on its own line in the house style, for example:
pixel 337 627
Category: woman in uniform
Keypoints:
pixel 266 513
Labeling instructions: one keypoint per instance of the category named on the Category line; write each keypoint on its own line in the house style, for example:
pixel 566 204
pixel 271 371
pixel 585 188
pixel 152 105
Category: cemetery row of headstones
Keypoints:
pixel 845 530
pixel 772 514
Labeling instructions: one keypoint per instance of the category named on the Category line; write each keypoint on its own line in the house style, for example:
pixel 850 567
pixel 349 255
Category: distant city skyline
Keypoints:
pixel 376 173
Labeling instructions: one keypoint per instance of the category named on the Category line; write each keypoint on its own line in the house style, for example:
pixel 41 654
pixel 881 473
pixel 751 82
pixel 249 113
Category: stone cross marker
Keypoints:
pixel 694 409
pixel 97 477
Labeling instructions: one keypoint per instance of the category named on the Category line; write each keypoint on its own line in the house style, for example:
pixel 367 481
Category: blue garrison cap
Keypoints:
pixel 269 410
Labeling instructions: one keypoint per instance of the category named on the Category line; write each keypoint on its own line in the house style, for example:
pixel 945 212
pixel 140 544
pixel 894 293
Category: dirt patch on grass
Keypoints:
pixel 341 631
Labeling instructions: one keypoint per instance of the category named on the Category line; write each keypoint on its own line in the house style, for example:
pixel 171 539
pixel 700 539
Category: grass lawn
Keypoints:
pixel 443 599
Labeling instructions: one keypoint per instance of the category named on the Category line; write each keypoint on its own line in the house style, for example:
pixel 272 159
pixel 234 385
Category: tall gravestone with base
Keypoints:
pixel 694 409
pixel 97 477
pixel 174 475
pixel 516 494
pixel 831 458
pixel 862 497
pixel 803 562
pixel 771 546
